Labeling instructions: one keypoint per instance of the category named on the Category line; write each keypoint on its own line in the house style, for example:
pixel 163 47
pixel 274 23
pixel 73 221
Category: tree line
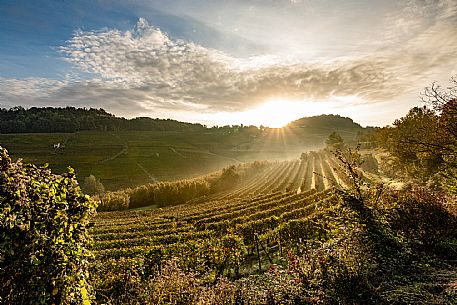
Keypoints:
pixel 71 119
pixel 424 142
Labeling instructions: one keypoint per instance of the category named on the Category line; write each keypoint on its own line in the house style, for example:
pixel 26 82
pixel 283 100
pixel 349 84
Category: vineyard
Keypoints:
pixel 309 231
pixel 240 239
pixel 231 233
pixel 317 171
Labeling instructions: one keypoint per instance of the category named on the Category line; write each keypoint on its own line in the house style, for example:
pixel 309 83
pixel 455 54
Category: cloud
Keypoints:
pixel 173 72
pixel 145 70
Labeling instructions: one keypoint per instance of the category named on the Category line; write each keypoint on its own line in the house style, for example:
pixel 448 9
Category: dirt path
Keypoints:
pixel 222 156
pixel 124 150
pixel 206 152
pixel 177 152
pixel 150 176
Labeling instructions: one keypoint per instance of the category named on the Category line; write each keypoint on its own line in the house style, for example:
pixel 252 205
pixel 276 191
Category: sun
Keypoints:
pixel 275 113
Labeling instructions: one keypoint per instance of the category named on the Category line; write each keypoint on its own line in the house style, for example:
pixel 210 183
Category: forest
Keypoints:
pixel 71 119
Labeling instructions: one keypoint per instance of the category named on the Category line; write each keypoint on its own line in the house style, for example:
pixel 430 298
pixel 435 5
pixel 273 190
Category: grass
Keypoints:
pixel 121 159
pixel 130 158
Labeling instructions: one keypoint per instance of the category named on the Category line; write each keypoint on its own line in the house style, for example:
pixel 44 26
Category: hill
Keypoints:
pixel 282 236
pixel 325 228
pixel 314 230
pixel 331 121
pixel 71 119
pixel 125 153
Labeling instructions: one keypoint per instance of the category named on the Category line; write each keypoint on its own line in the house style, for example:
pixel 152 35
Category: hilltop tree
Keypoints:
pixel 444 104
pixel 334 141
pixel 93 186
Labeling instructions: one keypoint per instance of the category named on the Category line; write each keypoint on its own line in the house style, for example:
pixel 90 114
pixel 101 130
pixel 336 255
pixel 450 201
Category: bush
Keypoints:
pixel 43 236
pixel 163 194
pixel 93 186
pixel 113 201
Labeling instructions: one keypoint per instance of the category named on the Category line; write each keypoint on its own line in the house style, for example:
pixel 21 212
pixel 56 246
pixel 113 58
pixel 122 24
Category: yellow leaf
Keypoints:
pixel 85 296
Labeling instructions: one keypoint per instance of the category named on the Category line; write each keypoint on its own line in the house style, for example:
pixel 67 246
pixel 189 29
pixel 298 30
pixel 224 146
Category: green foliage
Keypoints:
pixel 93 186
pixel 114 201
pixel 445 180
pixel 71 119
pixel 424 142
pixel 159 194
pixel 409 142
pixel 334 141
pixel 228 179
pixel 43 248
pixel 163 194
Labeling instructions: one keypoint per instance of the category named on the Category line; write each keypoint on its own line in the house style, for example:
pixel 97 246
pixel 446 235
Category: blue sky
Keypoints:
pixel 32 31
pixel 226 62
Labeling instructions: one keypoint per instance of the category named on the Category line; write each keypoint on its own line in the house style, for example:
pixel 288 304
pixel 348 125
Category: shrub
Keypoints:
pixel 93 186
pixel 163 194
pixel 114 201
pixel 43 236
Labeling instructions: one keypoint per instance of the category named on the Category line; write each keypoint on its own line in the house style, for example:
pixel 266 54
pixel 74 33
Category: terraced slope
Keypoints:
pixel 263 206
pixel 230 236
pixel 314 171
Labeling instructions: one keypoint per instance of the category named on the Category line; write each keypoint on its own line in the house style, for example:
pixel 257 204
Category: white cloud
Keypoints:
pixel 176 72
pixel 145 70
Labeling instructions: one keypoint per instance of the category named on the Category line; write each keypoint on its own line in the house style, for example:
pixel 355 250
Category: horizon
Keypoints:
pixel 227 63
pixel 205 125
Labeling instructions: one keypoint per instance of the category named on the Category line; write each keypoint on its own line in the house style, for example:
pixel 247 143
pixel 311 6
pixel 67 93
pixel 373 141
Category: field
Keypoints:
pixel 296 229
pixel 130 158
pixel 291 232
pixel 119 159
pixel 236 232
pixel 287 209
pixel 284 186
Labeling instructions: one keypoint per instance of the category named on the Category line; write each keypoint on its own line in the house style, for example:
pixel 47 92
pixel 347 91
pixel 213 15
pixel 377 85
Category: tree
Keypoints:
pixel 228 178
pixel 444 103
pixel 334 141
pixel 425 140
pixel 93 186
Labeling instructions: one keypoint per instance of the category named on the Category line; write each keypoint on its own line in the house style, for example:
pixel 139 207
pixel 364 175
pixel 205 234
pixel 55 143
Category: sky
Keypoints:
pixel 261 62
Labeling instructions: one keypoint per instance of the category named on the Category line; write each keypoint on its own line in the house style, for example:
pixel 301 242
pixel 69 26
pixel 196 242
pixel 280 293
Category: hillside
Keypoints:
pixel 314 230
pixel 282 236
pixel 125 153
pixel 325 121
pixel 71 119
